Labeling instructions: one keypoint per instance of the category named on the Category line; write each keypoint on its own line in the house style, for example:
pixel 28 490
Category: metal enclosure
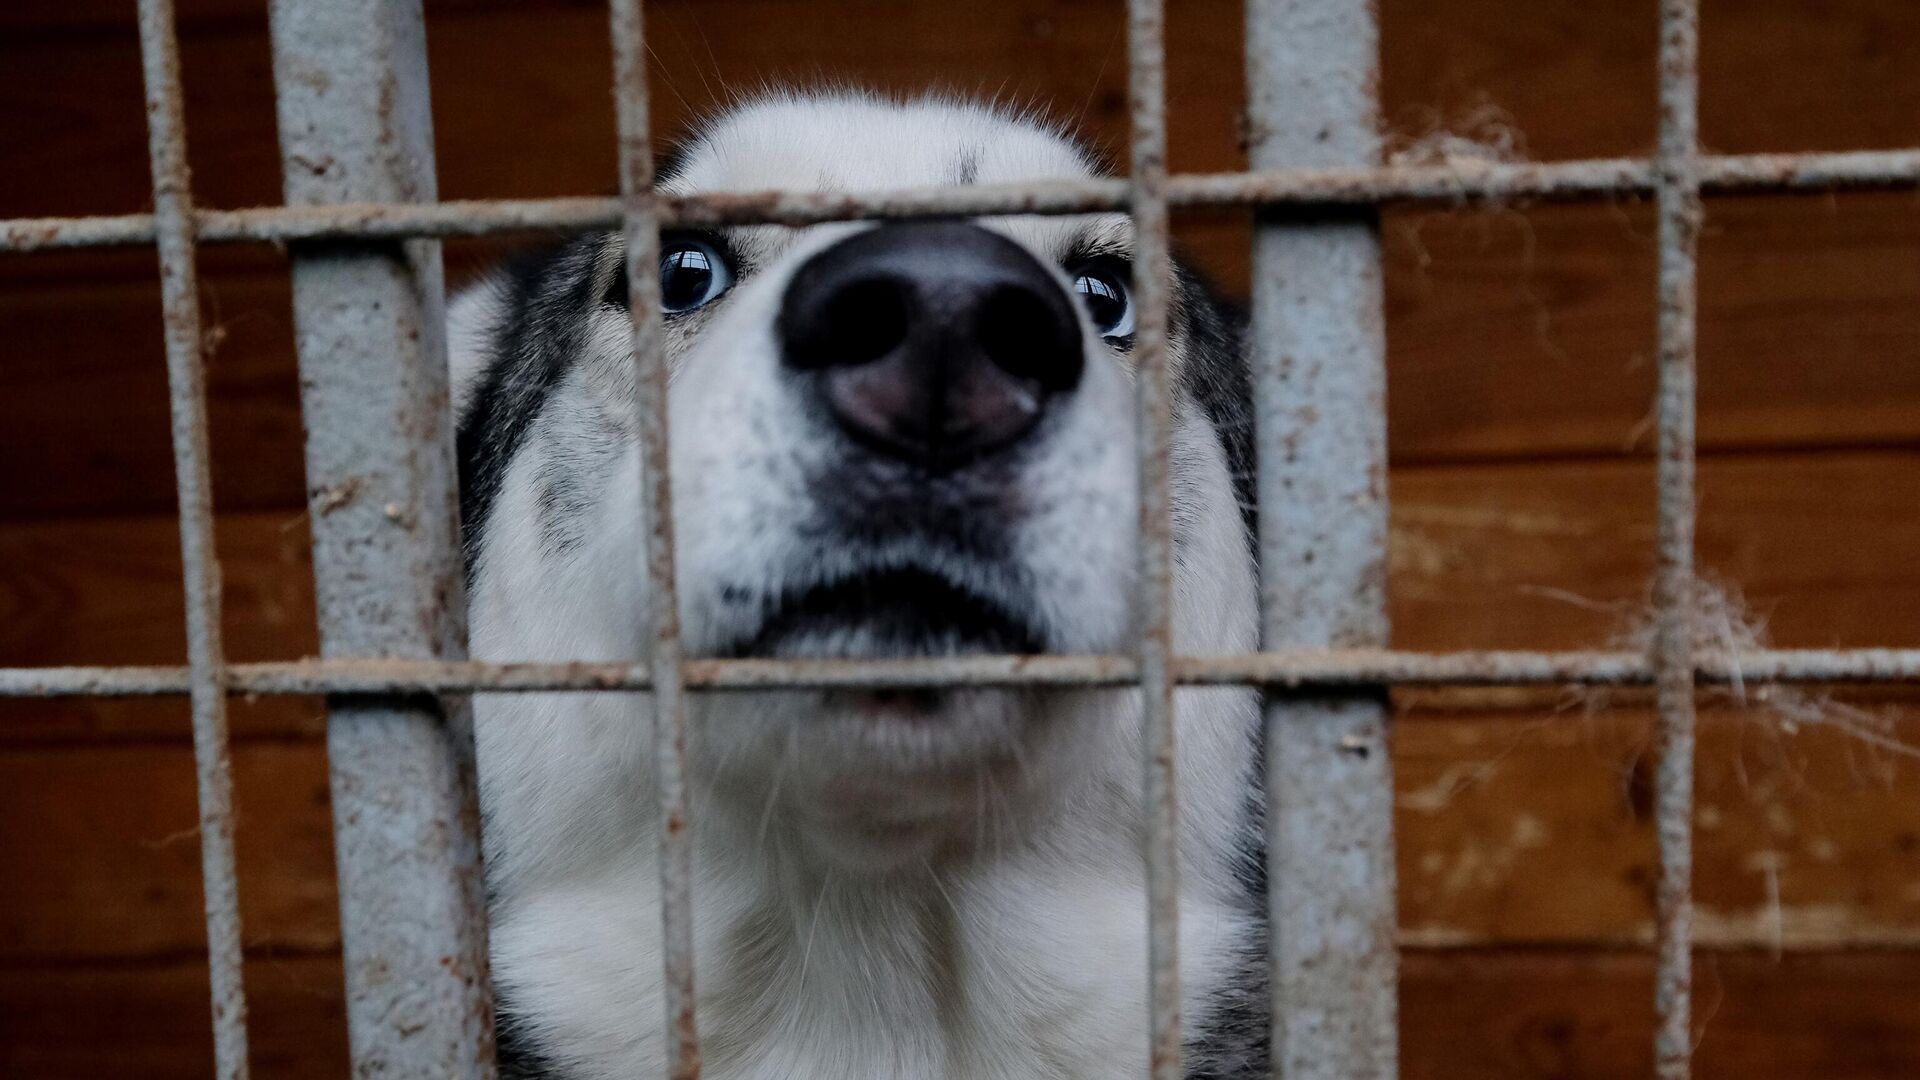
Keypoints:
pixel 362 218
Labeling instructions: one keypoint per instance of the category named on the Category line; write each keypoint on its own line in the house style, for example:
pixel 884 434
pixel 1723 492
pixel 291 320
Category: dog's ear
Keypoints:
pixel 1215 372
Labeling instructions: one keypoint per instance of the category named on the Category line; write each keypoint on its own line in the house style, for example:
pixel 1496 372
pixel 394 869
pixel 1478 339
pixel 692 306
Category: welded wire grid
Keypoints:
pixel 1315 192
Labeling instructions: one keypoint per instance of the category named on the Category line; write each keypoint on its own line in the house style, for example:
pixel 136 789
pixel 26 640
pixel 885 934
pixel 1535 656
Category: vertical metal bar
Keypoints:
pixel 650 389
pixel 1146 84
pixel 351 86
pixel 199 558
pixel 1319 359
pixel 1677 191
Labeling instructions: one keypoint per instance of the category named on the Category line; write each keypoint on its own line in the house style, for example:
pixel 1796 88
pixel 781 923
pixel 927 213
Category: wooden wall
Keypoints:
pixel 1520 342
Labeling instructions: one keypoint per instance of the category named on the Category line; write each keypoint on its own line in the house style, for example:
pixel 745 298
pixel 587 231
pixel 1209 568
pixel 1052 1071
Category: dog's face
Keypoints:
pixel 892 440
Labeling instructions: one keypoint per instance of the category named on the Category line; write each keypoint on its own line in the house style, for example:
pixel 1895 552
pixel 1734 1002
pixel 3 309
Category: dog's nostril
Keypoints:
pixel 933 342
pixel 1027 338
pixel 859 323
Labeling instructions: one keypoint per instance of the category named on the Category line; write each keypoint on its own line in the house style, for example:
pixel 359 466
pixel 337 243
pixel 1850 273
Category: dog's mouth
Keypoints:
pixel 901 612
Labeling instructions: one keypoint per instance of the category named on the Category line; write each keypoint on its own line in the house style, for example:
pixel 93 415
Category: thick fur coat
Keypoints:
pixel 917 884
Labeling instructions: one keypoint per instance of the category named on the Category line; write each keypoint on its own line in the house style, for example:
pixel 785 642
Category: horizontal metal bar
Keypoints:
pixel 1462 182
pixel 1293 668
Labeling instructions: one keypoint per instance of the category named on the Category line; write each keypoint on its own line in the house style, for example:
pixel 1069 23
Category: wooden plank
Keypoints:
pixel 107 591
pixel 1577 78
pixel 1557 555
pixel 1589 1016
pixel 1526 1015
pixel 521 88
pixel 1526 334
pixel 1533 827
pixel 103 860
pixel 151 1019
pixel 83 397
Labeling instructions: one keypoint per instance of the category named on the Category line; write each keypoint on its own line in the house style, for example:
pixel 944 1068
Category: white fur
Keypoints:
pixel 877 894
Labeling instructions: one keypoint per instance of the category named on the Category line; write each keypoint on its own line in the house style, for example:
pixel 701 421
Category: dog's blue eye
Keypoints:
pixel 692 272
pixel 1109 304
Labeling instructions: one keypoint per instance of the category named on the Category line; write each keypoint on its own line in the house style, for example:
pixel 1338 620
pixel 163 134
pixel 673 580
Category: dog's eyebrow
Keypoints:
pixel 1101 240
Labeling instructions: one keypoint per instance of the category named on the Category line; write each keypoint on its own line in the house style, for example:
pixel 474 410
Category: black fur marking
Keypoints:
pixel 1231 1040
pixel 967 172
pixel 514 1052
pixel 547 301
pixel 1215 375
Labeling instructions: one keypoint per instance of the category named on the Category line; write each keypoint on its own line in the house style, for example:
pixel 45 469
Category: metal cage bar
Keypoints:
pixel 1319 382
pixel 350 79
pixel 1362 186
pixel 199 558
pixel 361 212
pixel 664 664
pixel 1293 668
pixel 1680 212
pixel 1152 283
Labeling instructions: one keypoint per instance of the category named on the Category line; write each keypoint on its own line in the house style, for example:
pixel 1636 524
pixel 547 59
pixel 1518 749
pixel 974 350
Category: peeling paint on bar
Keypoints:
pixel 1680 213
pixel 1443 184
pixel 1294 668
pixel 642 228
pixel 1152 282
pixel 350 80
pixel 1319 391
pixel 187 389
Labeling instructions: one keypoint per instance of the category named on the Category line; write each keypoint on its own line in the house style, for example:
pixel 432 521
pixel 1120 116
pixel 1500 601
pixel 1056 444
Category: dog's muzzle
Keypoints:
pixel 935 344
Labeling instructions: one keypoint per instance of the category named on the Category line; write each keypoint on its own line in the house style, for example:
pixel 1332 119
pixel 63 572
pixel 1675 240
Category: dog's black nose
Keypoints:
pixel 932 342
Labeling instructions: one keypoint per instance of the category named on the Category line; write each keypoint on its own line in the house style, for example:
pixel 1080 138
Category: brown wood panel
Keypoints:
pixel 1533 1015
pixel 103 859
pixel 1577 79
pixel 1589 1016
pixel 152 1019
pixel 107 591
pixel 1535 827
pixel 1530 333
pixel 1557 555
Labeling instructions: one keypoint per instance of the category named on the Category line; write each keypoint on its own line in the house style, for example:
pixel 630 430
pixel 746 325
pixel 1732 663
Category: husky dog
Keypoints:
pixel 887 440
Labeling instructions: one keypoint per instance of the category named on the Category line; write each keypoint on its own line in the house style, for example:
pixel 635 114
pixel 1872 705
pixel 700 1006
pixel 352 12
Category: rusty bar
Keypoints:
pixel 1680 214
pixel 350 80
pixel 1152 277
pixel 1465 182
pixel 1319 379
pixel 1293 668
pixel 642 230
pixel 199 557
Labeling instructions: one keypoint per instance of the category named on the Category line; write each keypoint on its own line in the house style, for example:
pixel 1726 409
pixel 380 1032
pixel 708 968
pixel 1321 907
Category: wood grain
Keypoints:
pixel 1528 1015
